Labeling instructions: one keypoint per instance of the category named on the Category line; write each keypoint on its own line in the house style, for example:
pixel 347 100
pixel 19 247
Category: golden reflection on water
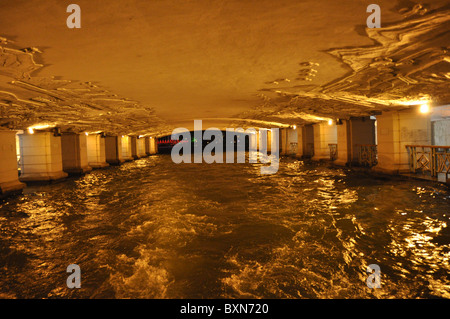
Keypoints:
pixel 151 229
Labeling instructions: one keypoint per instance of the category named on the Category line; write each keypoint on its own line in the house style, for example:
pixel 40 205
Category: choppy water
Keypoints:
pixel 153 229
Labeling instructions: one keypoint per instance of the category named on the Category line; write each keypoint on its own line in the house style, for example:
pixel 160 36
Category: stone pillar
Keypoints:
pixel 96 151
pixel 126 148
pixel 291 140
pixel 253 141
pixel 350 134
pixel 283 141
pixel 308 141
pixel 300 144
pixel 147 145
pixel 344 137
pixel 153 145
pixel 74 153
pixel 113 150
pixel 262 140
pixel 269 141
pixel 324 134
pixel 133 145
pixel 140 147
pixel 9 174
pixel 362 131
pixel 395 130
pixel 41 157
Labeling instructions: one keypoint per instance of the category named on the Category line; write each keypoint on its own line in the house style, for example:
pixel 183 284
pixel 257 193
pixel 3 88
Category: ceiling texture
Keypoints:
pixel 147 67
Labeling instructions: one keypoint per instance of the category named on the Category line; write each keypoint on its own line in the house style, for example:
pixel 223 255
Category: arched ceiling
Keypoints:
pixel 138 67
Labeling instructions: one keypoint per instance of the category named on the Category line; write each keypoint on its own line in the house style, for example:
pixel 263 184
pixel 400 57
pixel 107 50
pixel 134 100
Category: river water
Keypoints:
pixel 153 229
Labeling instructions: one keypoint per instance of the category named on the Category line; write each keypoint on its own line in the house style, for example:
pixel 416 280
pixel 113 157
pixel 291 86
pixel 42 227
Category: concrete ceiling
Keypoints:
pixel 150 66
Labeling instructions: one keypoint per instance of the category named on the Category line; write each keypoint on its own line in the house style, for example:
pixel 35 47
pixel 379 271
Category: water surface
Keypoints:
pixel 153 229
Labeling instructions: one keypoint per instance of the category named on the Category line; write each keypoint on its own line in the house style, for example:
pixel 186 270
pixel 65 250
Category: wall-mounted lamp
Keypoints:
pixel 424 108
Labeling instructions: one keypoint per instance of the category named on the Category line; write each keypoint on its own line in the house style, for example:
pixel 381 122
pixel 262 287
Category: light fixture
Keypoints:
pixel 424 108
pixel 30 130
pixel 330 122
pixel 86 133
pixel 294 127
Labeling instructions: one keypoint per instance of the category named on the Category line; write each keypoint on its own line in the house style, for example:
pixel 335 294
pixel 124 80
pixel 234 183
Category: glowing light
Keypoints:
pixel 32 128
pixel 86 133
pixel 424 108
pixel 141 136
pixel 294 127
pixel 330 122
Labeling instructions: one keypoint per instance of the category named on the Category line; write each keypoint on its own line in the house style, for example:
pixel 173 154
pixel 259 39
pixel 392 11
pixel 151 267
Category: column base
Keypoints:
pixel 116 162
pixel 11 188
pixel 98 165
pixel 320 158
pixel 43 177
pixel 388 171
pixel 340 162
pixel 78 170
pixel 128 159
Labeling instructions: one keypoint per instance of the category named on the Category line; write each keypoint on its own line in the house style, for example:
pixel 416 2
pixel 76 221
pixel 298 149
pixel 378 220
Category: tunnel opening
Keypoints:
pixel 232 141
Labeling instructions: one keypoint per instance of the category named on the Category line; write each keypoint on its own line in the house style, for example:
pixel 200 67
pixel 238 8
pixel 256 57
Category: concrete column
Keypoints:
pixel 96 151
pixel 351 133
pixel 9 174
pixel 324 134
pixel 283 141
pixel 344 137
pixel 396 129
pixel 74 153
pixel 253 141
pixel 127 154
pixel 300 144
pixel 153 145
pixel 140 147
pixel 147 145
pixel 113 150
pixel 269 141
pixel 41 157
pixel 133 145
pixel 308 141
pixel 291 140
pixel 262 140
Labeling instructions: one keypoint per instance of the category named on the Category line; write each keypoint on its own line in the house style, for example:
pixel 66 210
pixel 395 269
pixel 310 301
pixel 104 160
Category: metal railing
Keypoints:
pixel 429 159
pixel 333 151
pixel 367 154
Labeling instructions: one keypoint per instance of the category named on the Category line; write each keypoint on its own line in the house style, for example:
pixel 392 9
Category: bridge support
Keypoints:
pixel 96 151
pixel 9 174
pixel 395 130
pixel 140 147
pixel 153 145
pixel 133 144
pixel 74 153
pixel 300 143
pixel 41 157
pixel 288 141
pixel 350 134
pixel 127 153
pixel 324 134
pixel 113 150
